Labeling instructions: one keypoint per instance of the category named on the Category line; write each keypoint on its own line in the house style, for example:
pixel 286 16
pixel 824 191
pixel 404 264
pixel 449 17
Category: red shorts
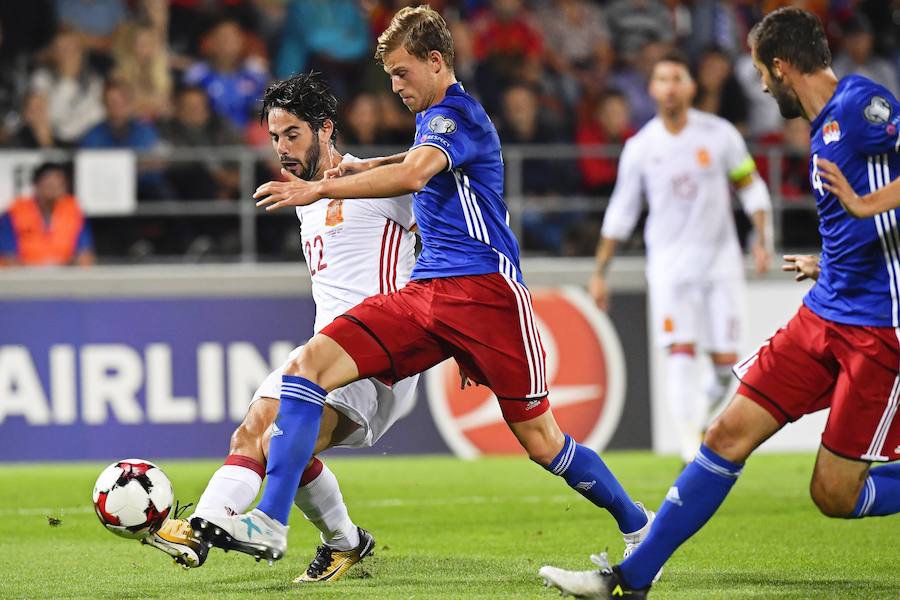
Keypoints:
pixel 812 363
pixel 485 322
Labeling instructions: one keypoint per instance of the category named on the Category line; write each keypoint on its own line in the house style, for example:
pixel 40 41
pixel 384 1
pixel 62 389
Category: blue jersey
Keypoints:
pixel 461 214
pixel 860 279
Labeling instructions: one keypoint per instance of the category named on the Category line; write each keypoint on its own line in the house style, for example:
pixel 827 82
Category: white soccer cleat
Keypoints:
pixel 600 584
pixel 254 533
pixel 634 539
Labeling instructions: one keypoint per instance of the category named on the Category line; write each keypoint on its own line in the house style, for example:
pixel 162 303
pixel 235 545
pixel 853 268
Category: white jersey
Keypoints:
pixel 690 232
pixel 355 249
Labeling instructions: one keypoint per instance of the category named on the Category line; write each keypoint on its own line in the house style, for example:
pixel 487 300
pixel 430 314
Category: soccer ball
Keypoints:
pixel 132 498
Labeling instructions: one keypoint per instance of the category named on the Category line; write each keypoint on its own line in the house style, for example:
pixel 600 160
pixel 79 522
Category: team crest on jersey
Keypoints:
pixel 831 132
pixel 335 213
pixel 878 111
pixel 703 157
pixel 439 124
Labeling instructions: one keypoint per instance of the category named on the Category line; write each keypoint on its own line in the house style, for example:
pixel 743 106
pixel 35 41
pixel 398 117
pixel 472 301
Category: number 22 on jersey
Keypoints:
pixel 316 263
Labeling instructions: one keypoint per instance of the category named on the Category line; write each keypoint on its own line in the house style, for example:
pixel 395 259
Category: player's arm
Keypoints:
pixel 869 205
pixel 754 197
pixel 419 165
pixel 621 216
pixel 8 246
pixel 351 168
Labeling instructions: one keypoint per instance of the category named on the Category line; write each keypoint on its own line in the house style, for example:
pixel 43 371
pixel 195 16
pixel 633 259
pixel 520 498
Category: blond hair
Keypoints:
pixel 419 30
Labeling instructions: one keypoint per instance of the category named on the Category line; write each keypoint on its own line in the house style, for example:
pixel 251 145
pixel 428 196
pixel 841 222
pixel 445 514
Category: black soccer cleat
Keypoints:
pixel 605 583
pixel 330 564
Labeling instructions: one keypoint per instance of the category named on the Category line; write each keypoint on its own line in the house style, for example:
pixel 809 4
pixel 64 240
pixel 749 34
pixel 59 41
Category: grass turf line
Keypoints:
pixel 452 529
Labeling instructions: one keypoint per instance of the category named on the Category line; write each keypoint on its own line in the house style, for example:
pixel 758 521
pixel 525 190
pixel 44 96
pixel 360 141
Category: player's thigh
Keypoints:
pixel 675 312
pixel 863 423
pixel 723 315
pixel 385 336
pixel 324 361
pixel 794 372
pixel 740 429
pixel 836 483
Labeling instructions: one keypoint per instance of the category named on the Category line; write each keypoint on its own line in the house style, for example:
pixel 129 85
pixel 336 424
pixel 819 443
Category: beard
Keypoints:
pixel 788 104
pixel 309 166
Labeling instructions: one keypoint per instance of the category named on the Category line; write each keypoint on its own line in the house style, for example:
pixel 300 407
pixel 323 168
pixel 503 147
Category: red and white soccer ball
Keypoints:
pixel 133 498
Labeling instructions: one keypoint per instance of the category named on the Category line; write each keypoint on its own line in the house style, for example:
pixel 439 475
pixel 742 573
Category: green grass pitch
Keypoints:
pixel 452 529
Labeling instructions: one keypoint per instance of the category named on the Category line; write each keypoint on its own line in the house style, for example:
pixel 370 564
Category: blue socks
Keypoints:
pixel 293 439
pixel 880 495
pixel 585 472
pixel 696 495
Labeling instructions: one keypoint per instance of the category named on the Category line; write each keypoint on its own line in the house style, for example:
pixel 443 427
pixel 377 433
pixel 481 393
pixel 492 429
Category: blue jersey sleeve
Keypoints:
pixel 8 244
pixel 873 116
pixel 85 242
pixel 447 129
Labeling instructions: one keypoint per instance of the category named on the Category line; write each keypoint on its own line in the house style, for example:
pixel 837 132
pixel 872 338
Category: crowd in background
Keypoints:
pixel 158 74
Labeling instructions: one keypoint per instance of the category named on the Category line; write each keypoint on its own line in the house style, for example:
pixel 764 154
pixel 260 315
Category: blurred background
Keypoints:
pixel 140 118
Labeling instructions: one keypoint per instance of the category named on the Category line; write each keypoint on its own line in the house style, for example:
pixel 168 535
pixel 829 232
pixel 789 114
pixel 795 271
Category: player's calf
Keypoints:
pixel 836 484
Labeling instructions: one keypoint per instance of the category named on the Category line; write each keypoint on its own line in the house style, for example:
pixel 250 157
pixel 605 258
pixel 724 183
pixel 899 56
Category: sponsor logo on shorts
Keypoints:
pixel 532 404
pixel 585 373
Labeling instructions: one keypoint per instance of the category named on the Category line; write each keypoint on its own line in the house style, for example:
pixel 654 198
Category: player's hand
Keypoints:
pixel 599 290
pixel 806 266
pixel 762 258
pixel 834 181
pixel 293 192
pixel 347 168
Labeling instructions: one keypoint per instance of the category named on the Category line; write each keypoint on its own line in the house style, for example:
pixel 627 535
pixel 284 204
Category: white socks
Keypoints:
pixel 717 387
pixel 232 488
pixel 684 402
pixel 321 501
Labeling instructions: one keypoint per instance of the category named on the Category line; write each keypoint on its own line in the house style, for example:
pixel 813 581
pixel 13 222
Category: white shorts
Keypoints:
pixel 709 314
pixel 369 403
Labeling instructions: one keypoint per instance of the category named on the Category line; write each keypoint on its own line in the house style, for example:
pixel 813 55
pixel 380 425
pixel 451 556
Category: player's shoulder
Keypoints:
pixel 861 98
pixel 709 123
pixel 455 109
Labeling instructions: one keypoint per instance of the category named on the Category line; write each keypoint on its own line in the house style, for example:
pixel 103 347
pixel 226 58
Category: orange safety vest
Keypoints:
pixel 42 244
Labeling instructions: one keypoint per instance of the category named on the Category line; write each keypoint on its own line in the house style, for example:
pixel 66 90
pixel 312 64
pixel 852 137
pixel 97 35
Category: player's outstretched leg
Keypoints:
pixel 846 488
pixel 343 543
pixel 691 501
pixel 581 468
pixel 880 495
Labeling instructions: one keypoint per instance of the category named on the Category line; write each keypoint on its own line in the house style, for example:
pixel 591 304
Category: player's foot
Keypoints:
pixel 254 533
pixel 604 583
pixel 330 564
pixel 176 538
pixel 633 540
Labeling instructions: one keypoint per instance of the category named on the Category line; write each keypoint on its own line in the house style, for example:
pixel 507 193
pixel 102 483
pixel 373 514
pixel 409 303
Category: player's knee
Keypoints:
pixel 245 440
pixel 543 447
pixel 833 498
pixel 724 438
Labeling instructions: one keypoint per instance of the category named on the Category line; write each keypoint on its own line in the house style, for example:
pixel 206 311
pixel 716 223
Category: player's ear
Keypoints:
pixel 777 68
pixel 326 130
pixel 435 61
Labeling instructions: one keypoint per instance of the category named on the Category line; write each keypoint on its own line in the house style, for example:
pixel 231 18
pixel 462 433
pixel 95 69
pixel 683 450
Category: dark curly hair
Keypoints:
pixel 304 95
pixel 793 35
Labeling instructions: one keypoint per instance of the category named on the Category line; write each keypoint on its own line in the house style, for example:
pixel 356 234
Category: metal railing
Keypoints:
pixel 519 200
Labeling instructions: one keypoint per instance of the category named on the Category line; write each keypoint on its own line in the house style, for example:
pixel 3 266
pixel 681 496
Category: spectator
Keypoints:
pixel 194 125
pixel 13 84
pixel 523 123
pixel 793 142
pixel 718 90
pixel 763 117
pixel 857 57
pixel 635 23
pixel 142 63
pixel 331 37
pixel 610 123
pixel 578 44
pixel 97 22
pixel 47 228
pixel 121 129
pixel 633 80
pixel 233 83
pixel 35 130
pixel 74 89
pixel 509 50
pixel 363 125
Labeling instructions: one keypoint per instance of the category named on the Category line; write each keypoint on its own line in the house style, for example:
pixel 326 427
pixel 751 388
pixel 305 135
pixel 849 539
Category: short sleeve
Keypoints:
pixel 8 245
pixel 872 116
pixel 739 164
pixel 625 204
pixel 448 130
pixel 85 242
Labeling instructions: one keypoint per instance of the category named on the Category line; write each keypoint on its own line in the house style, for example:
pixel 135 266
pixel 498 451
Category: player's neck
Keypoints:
pixel 674 122
pixel 332 159
pixel 814 91
pixel 443 85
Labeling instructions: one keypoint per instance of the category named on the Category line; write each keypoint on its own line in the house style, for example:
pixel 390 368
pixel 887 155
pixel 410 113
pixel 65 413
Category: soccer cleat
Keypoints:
pixel 177 539
pixel 330 564
pixel 604 583
pixel 633 540
pixel 254 533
